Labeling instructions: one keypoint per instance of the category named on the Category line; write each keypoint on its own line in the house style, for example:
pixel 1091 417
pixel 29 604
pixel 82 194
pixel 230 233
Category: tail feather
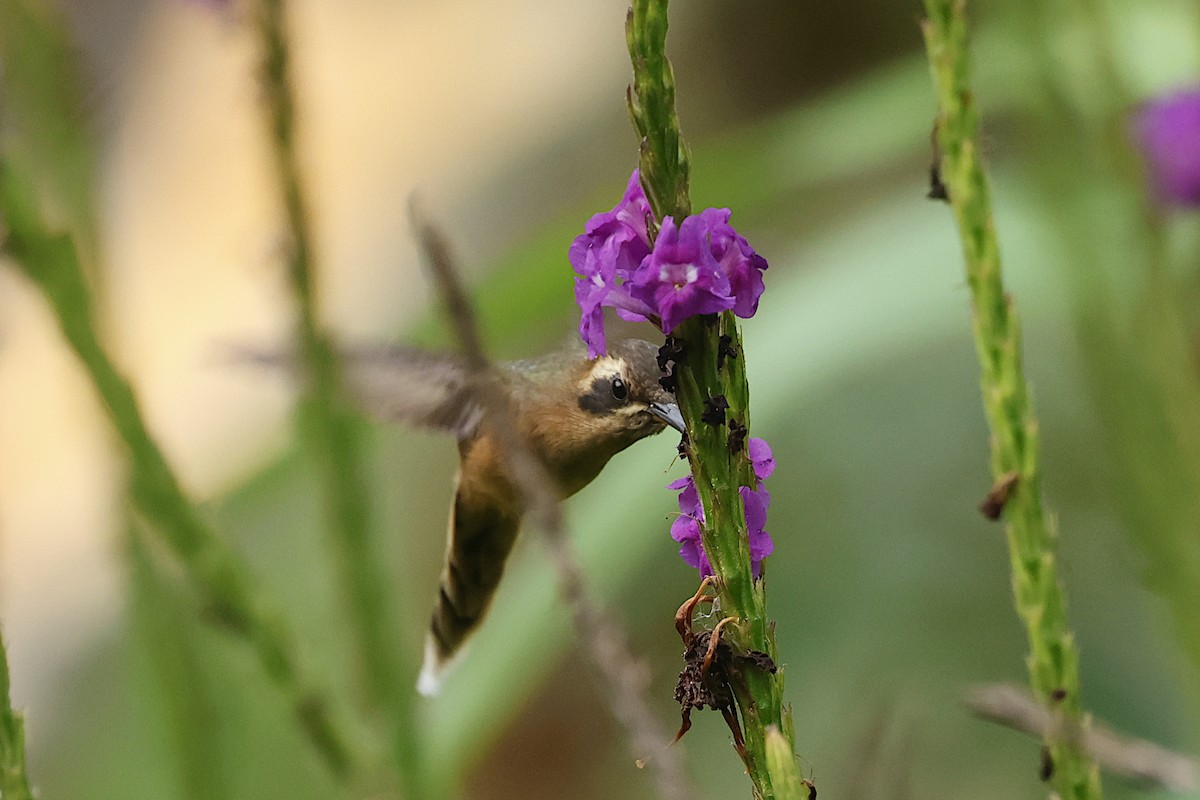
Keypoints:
pixel 480 539
pixel 433 669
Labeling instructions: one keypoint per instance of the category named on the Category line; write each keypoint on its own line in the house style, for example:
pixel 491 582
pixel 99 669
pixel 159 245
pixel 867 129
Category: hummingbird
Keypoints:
pixel 572 413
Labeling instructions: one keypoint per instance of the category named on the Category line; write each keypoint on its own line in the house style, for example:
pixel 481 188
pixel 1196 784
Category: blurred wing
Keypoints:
pixel 400 384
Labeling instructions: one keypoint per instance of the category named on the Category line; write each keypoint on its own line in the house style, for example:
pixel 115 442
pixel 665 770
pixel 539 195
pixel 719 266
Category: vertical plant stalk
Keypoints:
pixel 1053 662
pixel 187 697
pixel 45 110
pixel 14 781
pixel 50 261
pixel 329 422
pixel 703 372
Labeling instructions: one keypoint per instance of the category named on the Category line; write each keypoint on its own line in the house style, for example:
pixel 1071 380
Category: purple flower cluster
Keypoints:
pixel 698 266
pixel 686 528
pixel 1168 130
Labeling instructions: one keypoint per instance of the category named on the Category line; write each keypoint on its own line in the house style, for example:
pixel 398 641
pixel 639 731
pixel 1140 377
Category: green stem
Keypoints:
pixel 44 106
pixel 331 426
pixel 785 775
pixel 186 696
pixel 14 782
pixel 51 262
pixel 703 373
pixel 1040 603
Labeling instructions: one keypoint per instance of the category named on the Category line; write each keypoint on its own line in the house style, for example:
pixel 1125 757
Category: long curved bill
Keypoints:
pixel 669 413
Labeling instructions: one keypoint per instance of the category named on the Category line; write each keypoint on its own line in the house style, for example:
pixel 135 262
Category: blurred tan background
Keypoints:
pixel 481 109
pixel 191 232
pixel 507 120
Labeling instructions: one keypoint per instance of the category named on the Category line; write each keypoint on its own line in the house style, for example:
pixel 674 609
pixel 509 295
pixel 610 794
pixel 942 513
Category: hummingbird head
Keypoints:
pixel 605 405
pixel 622 392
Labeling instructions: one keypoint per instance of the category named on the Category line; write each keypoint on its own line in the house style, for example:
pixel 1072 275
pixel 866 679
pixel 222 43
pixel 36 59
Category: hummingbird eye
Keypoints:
pixel 619 390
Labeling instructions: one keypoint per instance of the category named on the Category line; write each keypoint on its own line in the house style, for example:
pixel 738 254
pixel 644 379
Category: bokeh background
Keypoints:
pixel 812 122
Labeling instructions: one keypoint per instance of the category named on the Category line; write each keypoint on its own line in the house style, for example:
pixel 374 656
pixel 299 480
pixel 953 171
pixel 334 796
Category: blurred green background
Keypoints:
pixel 811 121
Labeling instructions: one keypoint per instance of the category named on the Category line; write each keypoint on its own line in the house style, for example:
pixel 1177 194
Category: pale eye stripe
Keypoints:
pixel 606 367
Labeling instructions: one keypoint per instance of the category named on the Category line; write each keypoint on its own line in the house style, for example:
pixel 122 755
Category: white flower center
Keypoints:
pixel 689 276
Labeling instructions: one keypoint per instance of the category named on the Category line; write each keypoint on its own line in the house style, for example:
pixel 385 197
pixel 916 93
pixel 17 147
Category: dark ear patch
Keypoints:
pixel 599 398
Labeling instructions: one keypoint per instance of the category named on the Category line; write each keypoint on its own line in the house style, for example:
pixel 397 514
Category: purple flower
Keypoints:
pixel 737 259
pixel 686 529
pixel 624 226
pixel 612 245
pixel 698 266
pixel 590 294
pixel 756 502
pixel 689 499
pixel 761 457
pixel 1168 130
pixel 681 278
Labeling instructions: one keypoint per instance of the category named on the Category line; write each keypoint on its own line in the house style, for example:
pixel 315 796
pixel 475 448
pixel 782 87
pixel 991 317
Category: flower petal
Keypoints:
pixel 613 245
pixel 1168 130
pixel 761 458
pixel 681 279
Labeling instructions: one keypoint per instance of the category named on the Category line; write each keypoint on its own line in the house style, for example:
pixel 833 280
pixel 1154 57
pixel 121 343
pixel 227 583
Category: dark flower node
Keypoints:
pixel 671 351
pixel 937 189
pixel 737 436
pixel 1046 765
pixel 997 497
pixel 761 660
pixel 714 410
pixel 725 349
pixel 669 355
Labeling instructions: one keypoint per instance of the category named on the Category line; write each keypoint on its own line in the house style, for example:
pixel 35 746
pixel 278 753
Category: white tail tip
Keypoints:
pixel 429 683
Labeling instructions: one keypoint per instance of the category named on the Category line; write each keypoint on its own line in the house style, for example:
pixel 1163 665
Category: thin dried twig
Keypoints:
pixel 627 678
pixel 1132 758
